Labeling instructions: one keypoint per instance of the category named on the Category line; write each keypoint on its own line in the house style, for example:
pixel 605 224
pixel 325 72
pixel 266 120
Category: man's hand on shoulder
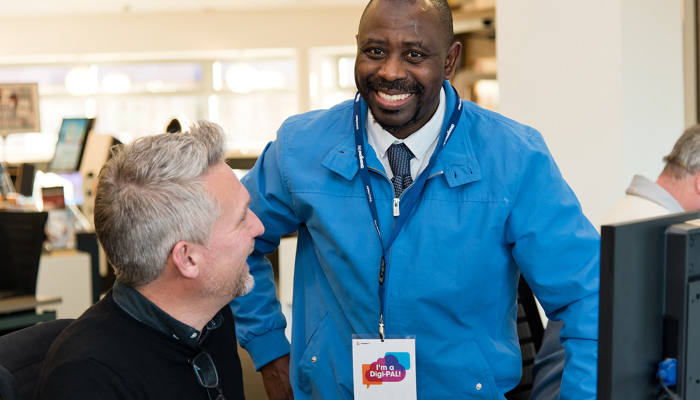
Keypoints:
pixel 276 379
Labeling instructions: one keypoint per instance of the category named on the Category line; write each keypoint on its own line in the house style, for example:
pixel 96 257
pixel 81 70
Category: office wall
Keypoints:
pixel 70 38
pixel 602 80
pixel 179 31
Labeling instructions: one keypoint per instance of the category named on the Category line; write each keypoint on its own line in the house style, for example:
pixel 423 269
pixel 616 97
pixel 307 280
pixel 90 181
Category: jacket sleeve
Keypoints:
pixel 260 324
pixel 558 252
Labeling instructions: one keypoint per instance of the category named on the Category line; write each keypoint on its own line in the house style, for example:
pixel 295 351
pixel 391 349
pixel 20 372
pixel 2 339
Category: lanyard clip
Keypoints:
pixel 381 327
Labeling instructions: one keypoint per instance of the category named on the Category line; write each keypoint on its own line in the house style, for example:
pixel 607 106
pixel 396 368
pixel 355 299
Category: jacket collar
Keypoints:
pixel 457 162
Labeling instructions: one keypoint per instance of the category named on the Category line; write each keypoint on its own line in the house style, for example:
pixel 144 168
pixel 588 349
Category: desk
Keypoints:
pixel 18 312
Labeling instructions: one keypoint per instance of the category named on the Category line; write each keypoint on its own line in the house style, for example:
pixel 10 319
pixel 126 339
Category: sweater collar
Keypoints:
pixel 143 310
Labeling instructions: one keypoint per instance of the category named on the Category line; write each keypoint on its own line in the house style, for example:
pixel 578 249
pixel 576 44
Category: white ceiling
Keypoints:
pixel 41 8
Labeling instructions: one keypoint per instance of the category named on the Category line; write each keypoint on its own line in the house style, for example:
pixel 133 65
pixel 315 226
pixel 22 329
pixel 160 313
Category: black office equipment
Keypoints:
pixel 24 184
pixel 642 284
pixel 682 306
pixel 21 238
pixel 530 333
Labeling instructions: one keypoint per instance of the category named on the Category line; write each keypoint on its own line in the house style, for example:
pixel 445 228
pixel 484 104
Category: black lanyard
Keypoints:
pixel 411 197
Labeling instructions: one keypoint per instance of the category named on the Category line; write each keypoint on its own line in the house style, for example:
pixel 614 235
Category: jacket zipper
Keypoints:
pixel 397 202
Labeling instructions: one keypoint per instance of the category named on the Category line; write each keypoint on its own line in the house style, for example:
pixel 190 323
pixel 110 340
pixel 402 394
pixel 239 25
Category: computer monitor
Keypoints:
pixel 21 238
pixel 24 183
pixel 648 306
pixel 70 145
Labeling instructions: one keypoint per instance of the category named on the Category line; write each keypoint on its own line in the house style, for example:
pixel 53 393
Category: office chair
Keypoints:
pixel 530 333
pixel 22 355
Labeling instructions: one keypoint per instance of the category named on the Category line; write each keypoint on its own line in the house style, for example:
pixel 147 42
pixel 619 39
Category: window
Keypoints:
pixel 254 96
pixel 249 93
pixel 332 75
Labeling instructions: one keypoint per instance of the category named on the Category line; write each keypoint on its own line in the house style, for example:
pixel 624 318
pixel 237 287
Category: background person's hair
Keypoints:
pixel 150 196
pixel 685 157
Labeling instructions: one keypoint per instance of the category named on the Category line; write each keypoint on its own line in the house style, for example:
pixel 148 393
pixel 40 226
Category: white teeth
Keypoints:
pixel 391 99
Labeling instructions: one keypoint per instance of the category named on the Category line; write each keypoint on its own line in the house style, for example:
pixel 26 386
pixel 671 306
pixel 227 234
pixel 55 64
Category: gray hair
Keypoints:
pixel 685 157
pixel 150 196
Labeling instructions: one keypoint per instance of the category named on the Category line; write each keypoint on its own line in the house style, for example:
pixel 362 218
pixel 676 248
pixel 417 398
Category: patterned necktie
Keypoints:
pixel 400 162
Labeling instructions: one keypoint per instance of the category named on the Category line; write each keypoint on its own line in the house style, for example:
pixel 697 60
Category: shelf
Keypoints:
pixel 473 16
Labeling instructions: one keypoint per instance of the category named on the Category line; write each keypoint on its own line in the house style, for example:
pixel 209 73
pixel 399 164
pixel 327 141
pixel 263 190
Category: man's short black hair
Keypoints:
pixel 444 13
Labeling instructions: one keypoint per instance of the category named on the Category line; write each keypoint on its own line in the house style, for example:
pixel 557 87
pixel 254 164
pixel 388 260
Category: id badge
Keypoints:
pixel 384 370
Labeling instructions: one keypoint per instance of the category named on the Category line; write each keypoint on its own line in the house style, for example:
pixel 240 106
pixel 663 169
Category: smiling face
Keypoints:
pixel 402 60
pixel 226 273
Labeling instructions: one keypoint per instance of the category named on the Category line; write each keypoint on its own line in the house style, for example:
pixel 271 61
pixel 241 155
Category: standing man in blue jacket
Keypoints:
pixel 416 214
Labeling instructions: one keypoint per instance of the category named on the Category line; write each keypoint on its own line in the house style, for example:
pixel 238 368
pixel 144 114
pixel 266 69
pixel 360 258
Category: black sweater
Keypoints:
pixel 106 354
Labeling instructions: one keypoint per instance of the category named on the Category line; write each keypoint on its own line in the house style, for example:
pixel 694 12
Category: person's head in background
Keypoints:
pixel 174 126
pixel 170 213
pixel 681 176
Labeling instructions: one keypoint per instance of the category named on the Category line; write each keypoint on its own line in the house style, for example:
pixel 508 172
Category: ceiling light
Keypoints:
pixel 271 79
pixel 116 83
pixel 242 77
pixel 82 81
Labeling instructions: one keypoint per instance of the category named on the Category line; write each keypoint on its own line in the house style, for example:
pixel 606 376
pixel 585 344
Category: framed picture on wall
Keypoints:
pixel 19 108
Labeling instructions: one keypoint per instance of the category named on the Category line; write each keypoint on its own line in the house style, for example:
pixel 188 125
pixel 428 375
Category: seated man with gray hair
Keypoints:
pixel 174 222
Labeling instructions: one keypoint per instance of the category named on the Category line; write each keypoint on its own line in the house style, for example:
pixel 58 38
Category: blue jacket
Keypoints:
pixel 495 206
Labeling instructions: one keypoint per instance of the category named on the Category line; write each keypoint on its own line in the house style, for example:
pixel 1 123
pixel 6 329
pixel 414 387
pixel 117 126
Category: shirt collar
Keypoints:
pixel 646 188
pixel 143 310
pixel 418 142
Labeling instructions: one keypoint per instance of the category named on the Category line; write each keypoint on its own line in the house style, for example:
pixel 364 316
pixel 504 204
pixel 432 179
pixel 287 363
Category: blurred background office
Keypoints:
pixel 610 84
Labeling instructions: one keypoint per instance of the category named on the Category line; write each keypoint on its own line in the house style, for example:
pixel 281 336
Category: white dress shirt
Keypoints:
pixel 422 142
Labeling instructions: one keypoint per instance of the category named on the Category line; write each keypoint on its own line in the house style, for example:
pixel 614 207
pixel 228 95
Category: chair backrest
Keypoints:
pixel 22 355
pixel 530 332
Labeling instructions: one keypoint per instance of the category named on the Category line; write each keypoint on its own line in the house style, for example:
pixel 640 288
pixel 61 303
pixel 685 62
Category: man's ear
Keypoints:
pixel 186 259
pixel 451 59
pixel 696 180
